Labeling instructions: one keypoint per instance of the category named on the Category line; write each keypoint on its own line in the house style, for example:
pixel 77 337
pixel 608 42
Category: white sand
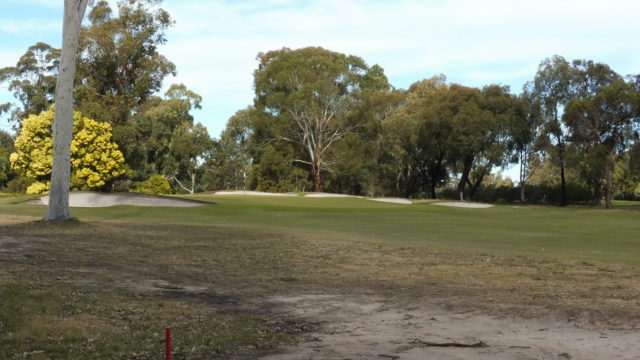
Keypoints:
pixel 463 204
pixel 254 193
pixel 325 195
pixel 393 200
pixel 92 199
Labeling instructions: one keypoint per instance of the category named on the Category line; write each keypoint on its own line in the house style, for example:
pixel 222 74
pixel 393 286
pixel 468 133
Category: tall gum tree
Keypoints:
pixel 312 90
pixel 63 121
pixel 601 124
pixel 552 88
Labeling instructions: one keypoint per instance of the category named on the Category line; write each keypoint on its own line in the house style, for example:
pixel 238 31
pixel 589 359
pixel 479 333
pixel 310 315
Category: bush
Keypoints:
pixel 38 188
pixel 18 185
pixel 534 194
pixel 155 185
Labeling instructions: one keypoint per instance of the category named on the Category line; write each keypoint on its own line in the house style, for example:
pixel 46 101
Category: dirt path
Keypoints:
pixel 369 328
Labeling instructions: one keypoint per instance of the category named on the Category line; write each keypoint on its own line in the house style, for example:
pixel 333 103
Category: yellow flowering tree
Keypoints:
pixel 95 158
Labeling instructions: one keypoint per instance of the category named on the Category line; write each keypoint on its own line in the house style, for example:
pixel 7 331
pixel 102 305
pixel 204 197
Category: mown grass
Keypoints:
pixel 577 233
pixel 108 285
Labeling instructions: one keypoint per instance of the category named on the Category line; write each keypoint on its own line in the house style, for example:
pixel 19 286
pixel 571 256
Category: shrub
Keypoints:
pixel 155 185
pixel 95 158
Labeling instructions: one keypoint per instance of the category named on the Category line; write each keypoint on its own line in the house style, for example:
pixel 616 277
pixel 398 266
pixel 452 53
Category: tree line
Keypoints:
pixel 326 121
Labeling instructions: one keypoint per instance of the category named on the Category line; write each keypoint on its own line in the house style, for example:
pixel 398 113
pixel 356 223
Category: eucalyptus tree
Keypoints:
pixel 189 146
pixel 119 65
pixel 420 131
pixel 524 131
pixel 477 138
pixel 32 81
pixel 552 89
pixel 229 165
pixel 63 121
pixel 146 138
pixel 310 92
pixel 601 125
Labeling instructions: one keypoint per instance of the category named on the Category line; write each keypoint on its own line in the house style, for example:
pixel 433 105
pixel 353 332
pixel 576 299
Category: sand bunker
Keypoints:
pixel 91 199
pixel 324 195
pixel 255 193
pixel 463 204
pixel 393 200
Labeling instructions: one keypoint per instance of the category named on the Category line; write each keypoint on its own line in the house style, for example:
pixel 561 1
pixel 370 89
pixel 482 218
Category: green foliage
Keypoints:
pixel 119 66
pixel 95 159
pixel 601 125
pixel 229 165
pixel 32 81
pixel 189 145
pixel 537 194
pixel 306 96
pixel 155 185
pixel 149 134
pixel 275 172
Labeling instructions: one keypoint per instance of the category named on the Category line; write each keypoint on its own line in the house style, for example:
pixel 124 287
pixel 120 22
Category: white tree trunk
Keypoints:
pixel 63 120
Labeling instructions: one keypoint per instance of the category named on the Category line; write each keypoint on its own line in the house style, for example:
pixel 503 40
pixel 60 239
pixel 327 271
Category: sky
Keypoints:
pixel 214 43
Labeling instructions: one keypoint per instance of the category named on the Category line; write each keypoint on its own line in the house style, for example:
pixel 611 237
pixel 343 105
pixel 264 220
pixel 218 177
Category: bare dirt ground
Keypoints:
pixel 378 328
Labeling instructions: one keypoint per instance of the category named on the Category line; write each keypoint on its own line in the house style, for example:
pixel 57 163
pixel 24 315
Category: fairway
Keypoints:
pixel 587 234
pixel 239 261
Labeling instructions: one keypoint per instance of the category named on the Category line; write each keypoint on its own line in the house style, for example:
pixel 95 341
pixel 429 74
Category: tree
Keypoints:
pixel 600 125
pixel 311 91
pixel 189 145
pixel 94 158
pixel 420 130
pixel 525 131
pixel 229 166
pixel 552 88
pixel 32 81
pixel 119 66
pixel 477 139
pixel 63 123
pixel 6 147
pixel 150 132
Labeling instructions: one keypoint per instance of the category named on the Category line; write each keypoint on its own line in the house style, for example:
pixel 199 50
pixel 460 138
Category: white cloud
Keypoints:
pixel 29 27
pixel 47 3
pixel 214 43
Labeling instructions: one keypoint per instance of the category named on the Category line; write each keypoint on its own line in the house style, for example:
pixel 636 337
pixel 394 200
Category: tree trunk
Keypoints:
pixel 317 177
pixel 435 177
pixel 464 177
pixel 608 190
pixel 563 185
pixel 473 187
pixel 522 177
pixel 63 120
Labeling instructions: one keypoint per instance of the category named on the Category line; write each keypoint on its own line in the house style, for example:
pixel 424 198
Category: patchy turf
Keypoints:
pixel 106 287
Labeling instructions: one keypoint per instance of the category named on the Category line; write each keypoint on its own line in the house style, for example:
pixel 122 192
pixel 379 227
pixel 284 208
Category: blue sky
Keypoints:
pixel 214 42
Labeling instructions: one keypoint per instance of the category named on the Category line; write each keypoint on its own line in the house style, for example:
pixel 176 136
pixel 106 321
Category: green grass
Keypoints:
pixel 588 234
pixel 106 286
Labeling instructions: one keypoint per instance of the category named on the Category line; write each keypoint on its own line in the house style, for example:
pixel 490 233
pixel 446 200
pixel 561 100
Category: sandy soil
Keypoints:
pixel 375 328
pixel 255 193
pixel 463 204
pixel 393 200
pixel 91 199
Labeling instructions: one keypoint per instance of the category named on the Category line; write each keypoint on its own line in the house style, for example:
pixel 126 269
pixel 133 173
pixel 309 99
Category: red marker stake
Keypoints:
pixel 168 342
